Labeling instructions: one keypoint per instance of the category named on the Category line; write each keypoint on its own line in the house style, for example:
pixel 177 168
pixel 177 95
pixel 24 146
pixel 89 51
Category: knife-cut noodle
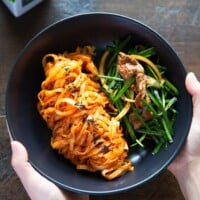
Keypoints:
pixel 75 108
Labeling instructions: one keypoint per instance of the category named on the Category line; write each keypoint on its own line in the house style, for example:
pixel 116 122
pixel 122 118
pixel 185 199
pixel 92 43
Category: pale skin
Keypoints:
pixel 37 187
pixel 186 166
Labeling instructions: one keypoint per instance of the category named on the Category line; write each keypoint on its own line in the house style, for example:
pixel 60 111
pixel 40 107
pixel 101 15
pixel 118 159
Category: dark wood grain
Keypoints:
pixel 178 21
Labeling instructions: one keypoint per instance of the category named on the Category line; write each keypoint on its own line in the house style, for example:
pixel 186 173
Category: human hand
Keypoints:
pixel 37 187
pixel 189 156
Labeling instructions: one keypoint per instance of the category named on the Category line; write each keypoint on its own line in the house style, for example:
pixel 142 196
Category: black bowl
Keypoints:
pixel 27 126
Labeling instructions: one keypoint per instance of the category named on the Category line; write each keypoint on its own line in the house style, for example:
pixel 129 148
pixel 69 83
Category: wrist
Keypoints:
pixel 187 169
pixel 188 179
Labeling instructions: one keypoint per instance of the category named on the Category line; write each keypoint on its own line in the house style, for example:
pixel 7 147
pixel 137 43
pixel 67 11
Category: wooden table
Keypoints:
pixel 178 21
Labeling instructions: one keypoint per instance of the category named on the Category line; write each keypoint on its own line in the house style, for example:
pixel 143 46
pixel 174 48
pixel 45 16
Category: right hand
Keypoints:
pixel 191 151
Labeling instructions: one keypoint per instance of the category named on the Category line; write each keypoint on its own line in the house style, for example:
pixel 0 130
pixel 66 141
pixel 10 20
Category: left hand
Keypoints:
pixel 37 187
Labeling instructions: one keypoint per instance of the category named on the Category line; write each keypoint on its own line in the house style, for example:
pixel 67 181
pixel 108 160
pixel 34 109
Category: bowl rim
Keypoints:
pixel 46 29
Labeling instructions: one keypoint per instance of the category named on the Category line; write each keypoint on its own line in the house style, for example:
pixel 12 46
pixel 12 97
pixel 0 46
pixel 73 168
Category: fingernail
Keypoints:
pixel 13 147
pixel 193 76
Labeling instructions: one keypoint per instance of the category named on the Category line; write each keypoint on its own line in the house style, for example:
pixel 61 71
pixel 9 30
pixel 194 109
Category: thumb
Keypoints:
pixel 19 159
pixel 192 84
pixel 36 185
pixel 23 168
pixel 193 87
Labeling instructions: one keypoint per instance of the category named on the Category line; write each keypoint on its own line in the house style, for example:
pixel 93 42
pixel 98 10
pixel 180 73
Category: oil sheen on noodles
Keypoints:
pixel 75 108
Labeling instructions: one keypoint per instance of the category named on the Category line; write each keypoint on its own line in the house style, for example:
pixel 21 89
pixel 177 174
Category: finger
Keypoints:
pixel 36 185
pixel 192 84
pixel 193 87
pixel 19 159
pixel 23 168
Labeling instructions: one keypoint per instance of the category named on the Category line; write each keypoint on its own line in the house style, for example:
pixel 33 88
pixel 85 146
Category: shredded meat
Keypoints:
pixel 135 121
pixel 127 67
pixel 146 115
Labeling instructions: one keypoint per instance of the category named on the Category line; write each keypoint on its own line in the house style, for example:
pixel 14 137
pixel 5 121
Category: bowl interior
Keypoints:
pixel 27 126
